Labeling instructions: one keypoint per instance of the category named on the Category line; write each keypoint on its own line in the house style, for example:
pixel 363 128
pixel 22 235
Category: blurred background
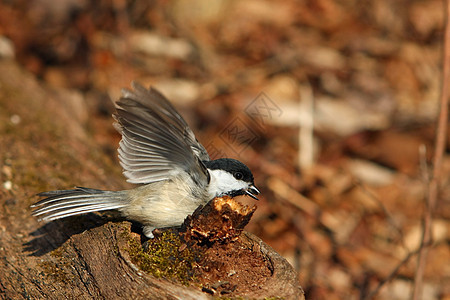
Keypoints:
pixel 327 101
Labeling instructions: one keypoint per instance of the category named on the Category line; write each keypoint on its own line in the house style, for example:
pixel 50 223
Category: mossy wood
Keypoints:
pixel 45 144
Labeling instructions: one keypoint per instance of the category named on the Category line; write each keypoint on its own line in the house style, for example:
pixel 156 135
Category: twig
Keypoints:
pixel 433 186
pixel 283 190
pixel 306 122
pixel 290 195
pixel 394 272
pixel 383 208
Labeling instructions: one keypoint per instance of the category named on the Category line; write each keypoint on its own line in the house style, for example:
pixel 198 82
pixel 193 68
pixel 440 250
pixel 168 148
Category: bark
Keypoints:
pixel 45 145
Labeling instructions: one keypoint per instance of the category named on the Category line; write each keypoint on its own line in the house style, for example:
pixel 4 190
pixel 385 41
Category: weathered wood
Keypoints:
pixel 45 145
pixel 220 220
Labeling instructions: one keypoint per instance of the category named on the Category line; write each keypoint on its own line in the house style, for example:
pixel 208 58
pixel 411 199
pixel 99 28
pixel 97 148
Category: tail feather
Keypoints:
pixel 56 195
pixel 65 203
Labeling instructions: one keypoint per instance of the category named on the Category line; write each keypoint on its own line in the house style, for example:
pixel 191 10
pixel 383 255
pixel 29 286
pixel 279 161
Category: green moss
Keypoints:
pixel 163 258
pixel 56 269
pixel 52 270
pixel 58 252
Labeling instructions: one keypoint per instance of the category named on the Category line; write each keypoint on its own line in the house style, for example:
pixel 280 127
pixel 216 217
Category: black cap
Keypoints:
pixel 233 166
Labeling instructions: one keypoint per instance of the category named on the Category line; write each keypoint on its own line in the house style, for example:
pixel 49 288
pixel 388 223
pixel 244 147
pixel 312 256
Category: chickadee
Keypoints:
pixel 159 152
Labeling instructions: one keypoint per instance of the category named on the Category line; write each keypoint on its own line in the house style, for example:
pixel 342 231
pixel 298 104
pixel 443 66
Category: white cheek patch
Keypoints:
pixel 223 182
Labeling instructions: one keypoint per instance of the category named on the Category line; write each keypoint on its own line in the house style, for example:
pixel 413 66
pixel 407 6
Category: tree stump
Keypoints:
pixel 45 145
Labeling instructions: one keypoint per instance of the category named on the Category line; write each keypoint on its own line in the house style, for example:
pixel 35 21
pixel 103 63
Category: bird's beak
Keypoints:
pixel 252 191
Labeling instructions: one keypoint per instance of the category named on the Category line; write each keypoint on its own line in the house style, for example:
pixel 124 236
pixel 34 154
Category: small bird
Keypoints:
pixel 159 152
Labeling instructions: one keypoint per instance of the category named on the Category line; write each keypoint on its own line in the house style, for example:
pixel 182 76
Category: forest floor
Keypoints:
pixel 332 105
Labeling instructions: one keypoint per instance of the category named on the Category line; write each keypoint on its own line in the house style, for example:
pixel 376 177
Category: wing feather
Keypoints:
pixel 156 141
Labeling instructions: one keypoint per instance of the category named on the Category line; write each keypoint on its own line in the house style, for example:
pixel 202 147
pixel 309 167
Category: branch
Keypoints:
pixel 433 186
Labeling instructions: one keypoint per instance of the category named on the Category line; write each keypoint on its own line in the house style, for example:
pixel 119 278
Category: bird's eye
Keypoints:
pixel 238 175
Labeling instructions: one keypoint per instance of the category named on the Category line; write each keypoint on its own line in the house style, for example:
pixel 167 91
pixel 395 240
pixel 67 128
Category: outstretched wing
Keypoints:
pixel 156 141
